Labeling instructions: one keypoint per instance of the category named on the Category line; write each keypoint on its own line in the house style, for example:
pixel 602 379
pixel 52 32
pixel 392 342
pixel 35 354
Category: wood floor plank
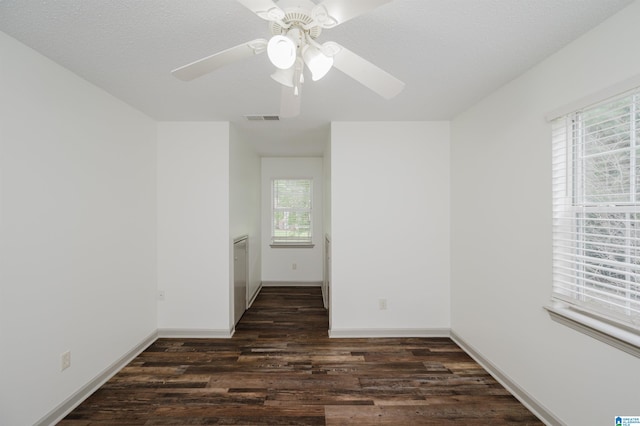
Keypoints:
pixel 280 368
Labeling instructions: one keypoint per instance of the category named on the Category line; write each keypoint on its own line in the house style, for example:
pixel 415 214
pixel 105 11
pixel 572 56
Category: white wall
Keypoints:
pixel 326 163
pixel 193 226
pixel 390 227
pixel 77 224
pixel 245 190
pixel 277 262
pixel 326 283
pixel 501 233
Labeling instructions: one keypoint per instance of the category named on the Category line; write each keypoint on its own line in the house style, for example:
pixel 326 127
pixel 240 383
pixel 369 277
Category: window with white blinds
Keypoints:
pixel 291 214
pixel 596 210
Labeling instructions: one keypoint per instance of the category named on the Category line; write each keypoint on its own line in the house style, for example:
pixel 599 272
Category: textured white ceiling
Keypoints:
pixel 450 54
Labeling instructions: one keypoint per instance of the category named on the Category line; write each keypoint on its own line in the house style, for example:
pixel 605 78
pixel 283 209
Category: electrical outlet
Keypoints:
pixel 65 360
pixel 161 295
pixel 382 304
pixel 294 266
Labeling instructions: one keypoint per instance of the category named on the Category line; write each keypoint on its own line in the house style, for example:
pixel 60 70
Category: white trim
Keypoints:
pixel 64 408
pixel 539 410
pixel 243 239
pixel 388 332
pixel 610 334
pixel 240 238
pixel 599 96
pixel 195 333
pixel 326 270
pixel 284 245
pixel 255 295
pixel 291 283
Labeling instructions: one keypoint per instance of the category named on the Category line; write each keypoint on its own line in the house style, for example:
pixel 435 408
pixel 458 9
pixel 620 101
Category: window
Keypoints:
pixel 596 212
pixel 291 214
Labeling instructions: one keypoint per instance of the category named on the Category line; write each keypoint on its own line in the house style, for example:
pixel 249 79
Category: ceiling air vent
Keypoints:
pixel 262 117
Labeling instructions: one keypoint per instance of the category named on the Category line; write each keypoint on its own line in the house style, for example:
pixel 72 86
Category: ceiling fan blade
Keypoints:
pixel 290 103
pixel 211 63
pixel 369 75
pixel 266 9
pixel 331 13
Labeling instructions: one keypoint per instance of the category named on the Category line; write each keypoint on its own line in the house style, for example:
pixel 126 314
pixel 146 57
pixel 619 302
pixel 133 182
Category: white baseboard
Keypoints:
pixel 84 392
pixel 195 333
pixel 523 396
pixel 325 296
pixel 253 297
pixel 387 332
pixel 292 283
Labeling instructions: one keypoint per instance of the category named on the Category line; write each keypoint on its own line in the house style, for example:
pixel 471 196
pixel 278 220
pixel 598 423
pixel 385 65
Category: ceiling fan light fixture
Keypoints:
pixel 295 25
pixel 318 63
pixel 282 51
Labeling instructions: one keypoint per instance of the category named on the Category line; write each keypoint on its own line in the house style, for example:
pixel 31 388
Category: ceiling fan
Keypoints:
pixel 294 27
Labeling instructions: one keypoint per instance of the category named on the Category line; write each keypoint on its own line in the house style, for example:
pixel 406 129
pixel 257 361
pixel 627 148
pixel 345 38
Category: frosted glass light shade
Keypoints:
pixel 318 63
pixel 282 51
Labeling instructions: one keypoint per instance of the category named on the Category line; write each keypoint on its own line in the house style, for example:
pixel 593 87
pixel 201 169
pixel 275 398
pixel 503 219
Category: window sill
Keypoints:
pixel 292 245
pixel 616 336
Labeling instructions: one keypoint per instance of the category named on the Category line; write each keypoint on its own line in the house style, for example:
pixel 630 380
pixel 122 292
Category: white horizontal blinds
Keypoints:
pixel 291 219
pixel 596 208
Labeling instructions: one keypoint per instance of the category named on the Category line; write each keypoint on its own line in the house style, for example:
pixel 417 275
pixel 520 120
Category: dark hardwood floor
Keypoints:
pixel 280 368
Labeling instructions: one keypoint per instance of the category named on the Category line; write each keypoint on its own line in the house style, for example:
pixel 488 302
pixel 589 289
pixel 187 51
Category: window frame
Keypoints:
pixel 572 211
pixel 284 243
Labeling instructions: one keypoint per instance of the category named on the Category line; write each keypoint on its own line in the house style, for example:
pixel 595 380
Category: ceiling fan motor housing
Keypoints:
pixel 297 14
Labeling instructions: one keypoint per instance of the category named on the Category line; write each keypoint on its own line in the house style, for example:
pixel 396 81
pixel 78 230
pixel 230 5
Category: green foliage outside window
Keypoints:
pixel 291 220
